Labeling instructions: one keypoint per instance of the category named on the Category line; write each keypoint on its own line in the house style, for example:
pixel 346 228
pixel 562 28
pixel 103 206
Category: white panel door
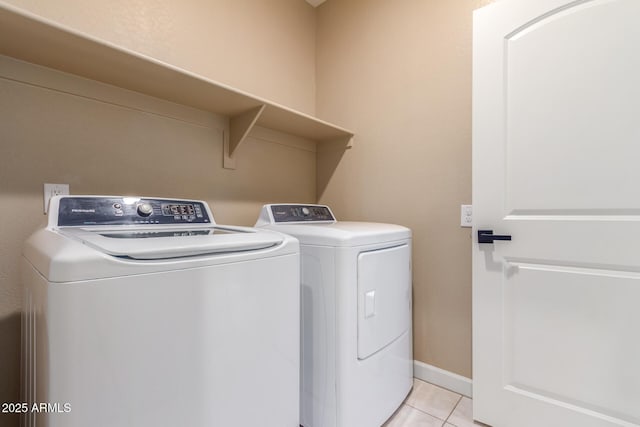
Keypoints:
pixel 556 165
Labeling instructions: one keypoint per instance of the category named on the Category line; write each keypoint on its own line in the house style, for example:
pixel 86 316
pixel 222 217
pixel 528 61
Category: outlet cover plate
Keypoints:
pixel 51 190
pixel 466 216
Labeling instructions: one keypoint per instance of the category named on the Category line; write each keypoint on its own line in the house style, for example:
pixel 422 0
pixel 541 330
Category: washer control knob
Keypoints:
pixel 145 209
pixel 305 211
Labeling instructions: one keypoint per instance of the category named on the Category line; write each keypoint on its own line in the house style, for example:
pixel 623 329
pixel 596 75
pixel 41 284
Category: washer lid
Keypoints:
pixel 163 243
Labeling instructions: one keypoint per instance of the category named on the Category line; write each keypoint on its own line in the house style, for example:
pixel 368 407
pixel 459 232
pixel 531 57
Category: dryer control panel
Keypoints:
pixel 301 213
pixel 95 210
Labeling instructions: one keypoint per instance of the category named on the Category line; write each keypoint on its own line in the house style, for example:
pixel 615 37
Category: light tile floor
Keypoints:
pixel 431 406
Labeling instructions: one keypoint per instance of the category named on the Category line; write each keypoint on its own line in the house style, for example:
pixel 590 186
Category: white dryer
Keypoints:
pixel 356 352
pixel 142 312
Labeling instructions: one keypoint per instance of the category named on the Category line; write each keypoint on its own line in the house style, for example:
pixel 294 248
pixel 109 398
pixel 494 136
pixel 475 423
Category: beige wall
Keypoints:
pixel 266 48
pixel 104 140
pixel 398 73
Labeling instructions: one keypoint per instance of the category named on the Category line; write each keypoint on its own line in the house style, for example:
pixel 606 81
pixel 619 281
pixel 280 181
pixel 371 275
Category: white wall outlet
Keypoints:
pixel 51 190
pixel 466 216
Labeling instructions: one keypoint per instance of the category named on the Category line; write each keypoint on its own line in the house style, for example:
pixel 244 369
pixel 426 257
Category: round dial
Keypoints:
pixel 145 209
pixel 305 211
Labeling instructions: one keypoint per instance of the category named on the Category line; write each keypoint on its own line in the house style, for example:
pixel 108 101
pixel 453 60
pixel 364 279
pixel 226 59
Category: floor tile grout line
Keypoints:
pixel 425 412
pixel 445 420
pixel 453 410
pixel 432 415
pixel 421 410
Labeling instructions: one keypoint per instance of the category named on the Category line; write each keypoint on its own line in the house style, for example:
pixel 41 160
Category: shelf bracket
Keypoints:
pixel 336 144
pixel 239 128
pixel 328 157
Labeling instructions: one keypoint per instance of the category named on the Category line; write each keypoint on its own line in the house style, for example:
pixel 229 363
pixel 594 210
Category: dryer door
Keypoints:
pixel 384 297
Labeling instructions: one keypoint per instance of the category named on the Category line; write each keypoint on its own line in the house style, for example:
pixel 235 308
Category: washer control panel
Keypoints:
pixel 301 213
pixel 88 210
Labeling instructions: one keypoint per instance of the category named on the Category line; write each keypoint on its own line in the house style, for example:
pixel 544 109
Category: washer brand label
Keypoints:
pixel 83 210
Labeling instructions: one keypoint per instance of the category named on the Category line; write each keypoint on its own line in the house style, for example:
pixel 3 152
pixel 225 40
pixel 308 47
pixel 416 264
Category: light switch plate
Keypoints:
pixel 466 215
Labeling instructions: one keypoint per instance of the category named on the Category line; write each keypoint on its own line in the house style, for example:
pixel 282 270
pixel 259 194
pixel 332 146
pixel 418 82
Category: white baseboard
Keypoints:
pixel 442 378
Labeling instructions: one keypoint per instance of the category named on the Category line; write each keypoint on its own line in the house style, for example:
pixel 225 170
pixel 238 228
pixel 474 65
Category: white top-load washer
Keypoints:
pixel 357 359
pixel 142 312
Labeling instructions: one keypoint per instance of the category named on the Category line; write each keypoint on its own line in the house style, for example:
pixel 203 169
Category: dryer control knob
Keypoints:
pixel 305 211
pixel 145 209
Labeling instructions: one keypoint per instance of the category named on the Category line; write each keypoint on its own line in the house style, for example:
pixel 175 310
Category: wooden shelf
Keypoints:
pixel 34 39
